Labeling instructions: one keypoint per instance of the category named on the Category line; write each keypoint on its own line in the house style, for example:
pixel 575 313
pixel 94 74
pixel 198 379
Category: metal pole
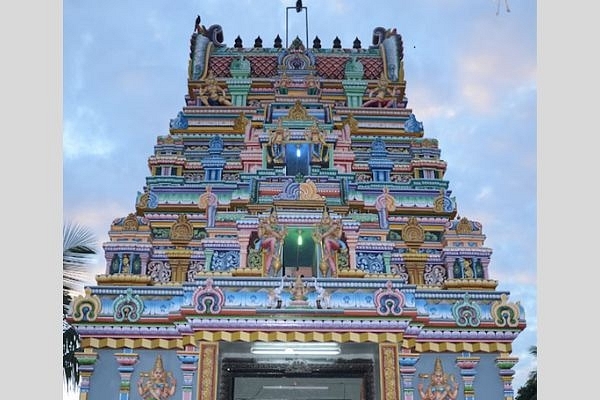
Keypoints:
pixel 287 14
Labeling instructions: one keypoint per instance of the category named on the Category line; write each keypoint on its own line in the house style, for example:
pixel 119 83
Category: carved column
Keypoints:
pixel 126 360
pixel 413 236
pixel 244 239
pixel 239 84
pixel 407 373
pixel 180 261
pixel 239 89
pixel 181 234
pixel 208 254
pixel 189 360
pixel 415 266
pixel 208 371
pixel 145 259
pixel 467 366
pixel 505 364
pixel 352 241
pixel 486 263
pixel 389 371
pixel 354 90
pixel 86 360
pixel 387 257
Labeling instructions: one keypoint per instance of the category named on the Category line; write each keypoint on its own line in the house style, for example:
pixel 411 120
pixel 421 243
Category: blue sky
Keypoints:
pixel 471 79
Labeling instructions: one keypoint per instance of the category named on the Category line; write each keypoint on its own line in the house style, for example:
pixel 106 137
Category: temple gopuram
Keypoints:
pixel 295 239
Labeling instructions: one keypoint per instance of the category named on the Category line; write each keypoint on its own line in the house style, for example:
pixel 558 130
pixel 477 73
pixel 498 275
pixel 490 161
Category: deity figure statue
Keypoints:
pixel 382 95
pixel 283 83
pixel 328 233
pixel 312 85
pixel 441 387
pixel 211 94
pixel 384 204
pixel 271 236
pixel 468 269
pixel 156 384
pixel 299 289
pixel 323 297
pixel 276 145
pixel 274 296
pixel 125 269
pixel 317 143
pixel 209 201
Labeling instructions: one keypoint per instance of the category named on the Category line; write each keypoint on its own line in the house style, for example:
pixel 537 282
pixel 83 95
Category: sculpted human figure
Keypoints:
pixel 384 204
pixel 468 269
pixel 382 95
pixel 439 388
pixel 209 201
pixel 211 94
pixel 283 83
pixel 329 234
pixel 317 143
pixel 126 268
pixel 277 139
pixel 156 384
pixel 299 289
pixel 312 86
pixel 271 236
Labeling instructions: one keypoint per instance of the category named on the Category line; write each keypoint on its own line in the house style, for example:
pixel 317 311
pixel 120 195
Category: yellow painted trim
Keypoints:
pixel 462 346
pixel 338 337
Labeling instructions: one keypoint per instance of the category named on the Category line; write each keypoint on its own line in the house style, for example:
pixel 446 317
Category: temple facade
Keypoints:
pixel 295 238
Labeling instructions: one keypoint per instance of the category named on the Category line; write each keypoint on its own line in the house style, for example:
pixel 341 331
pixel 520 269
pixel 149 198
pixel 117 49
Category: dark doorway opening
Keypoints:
pixel 299 250
pixel 297 159
pixel 341 379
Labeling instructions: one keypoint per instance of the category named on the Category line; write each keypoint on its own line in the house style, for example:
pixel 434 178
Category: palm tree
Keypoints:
pixel 529 390
pixel 79 250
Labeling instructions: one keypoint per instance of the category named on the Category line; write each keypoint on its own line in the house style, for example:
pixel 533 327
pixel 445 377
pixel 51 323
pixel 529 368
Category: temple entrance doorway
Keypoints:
pixel 249 374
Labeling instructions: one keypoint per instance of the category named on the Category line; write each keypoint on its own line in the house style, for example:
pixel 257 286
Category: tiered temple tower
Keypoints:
pixel 296 232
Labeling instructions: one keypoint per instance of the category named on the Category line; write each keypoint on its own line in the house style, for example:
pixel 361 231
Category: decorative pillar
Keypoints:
pixel 179 259
pixel 145 259
pixel 239 84
pixel 354 85
pixel 182 232
pixel 389 371
pixel 414 236
pixel 239 89
pixel 354 90
pixel 387 257
pixel 126 360
pixel 407 373
pixel 208 253
pixel 450 268
pixel 505 364
pixel 415 266
pixel 244 240
pixel 189 359
pixel 467 366
pixel 86 360
pixel 352 241
pixel 208 371
pixel 379 163
pixel 486 263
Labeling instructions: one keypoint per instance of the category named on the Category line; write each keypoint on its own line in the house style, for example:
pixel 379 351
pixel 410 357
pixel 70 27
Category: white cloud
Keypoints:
pixel 84 135
pixel 428 105
pixel 519 275
pixel 484 193
pixel 77 75
pixel 97 217
pixel 159 29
